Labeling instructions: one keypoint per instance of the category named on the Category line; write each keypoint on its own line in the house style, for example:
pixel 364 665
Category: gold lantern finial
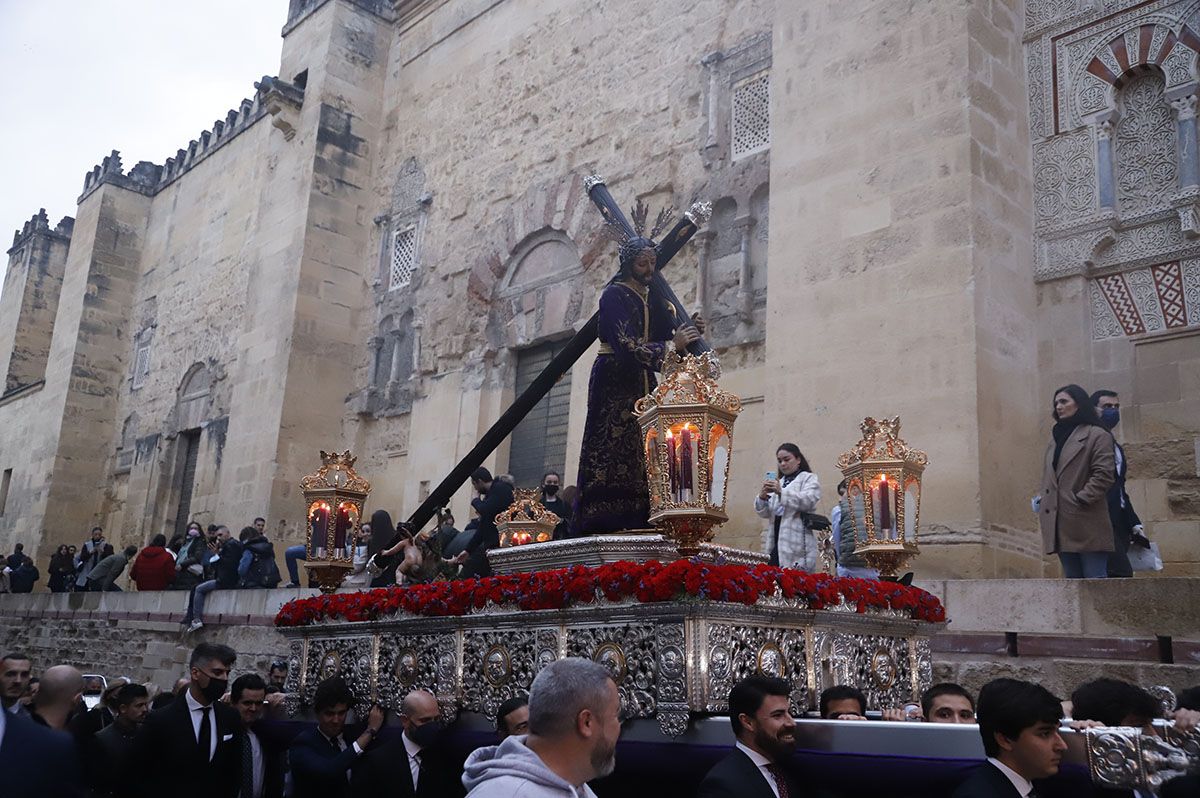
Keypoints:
pixel 333 498
pixel 883 488
pixel 526 520
pixel 687 431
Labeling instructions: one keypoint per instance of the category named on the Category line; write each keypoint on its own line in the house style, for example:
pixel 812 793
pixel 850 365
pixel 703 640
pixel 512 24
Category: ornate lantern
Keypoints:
pixel 883 486
pixel 687 432
pixel 526 520
pixel 333 498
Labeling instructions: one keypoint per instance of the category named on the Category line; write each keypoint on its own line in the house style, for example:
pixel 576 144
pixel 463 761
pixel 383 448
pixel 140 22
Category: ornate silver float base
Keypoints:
pixel 671 660
pixel 592 551
pixel 598 550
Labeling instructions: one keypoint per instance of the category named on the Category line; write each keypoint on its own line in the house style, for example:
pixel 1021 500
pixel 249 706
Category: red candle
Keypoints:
pixel 685 456
pixel 885 505
pixel 672 471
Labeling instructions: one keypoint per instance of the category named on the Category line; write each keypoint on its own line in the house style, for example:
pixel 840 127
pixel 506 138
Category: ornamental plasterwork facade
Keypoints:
pixel 1112 97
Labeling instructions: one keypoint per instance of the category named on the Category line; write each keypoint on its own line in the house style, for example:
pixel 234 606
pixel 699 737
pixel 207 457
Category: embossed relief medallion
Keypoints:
pixel 612 657
pixel 630 653
pixel 412 662
pixel 884 669
pixel 735 652
pixel 349 658
pixel 496 667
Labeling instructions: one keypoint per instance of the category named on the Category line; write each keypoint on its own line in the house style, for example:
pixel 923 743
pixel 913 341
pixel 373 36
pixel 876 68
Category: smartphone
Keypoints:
pixel 770 476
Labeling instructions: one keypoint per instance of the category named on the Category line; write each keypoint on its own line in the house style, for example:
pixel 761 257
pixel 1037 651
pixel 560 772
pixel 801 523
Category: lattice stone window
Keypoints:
pixel 404 258
pixel 751 117
pixel 141 364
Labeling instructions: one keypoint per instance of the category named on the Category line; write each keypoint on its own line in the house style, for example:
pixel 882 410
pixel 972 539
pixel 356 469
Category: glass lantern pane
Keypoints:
pixel 883 507
pixel 720 465
pixel 318 527
pixel 912 502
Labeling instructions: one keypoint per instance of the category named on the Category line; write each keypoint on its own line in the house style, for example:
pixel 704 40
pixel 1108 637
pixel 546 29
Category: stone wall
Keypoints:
pixel 1058 632
pixel 138 634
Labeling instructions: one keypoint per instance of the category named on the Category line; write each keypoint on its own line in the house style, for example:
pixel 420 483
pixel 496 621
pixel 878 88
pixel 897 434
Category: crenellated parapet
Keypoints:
pixel 271 95
pixel 39 223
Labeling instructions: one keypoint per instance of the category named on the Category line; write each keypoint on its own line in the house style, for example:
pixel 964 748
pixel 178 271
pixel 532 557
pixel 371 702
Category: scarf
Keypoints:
pixel 1061 431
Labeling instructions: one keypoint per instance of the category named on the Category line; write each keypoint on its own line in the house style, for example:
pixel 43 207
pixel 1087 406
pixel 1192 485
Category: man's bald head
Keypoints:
pixel 61 686
pixel 419 702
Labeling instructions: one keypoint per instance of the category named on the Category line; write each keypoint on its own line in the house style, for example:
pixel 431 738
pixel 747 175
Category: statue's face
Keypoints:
pixel 643 266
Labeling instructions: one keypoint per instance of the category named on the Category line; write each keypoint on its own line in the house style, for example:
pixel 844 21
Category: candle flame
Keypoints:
pixel 883 478
pixel 669 435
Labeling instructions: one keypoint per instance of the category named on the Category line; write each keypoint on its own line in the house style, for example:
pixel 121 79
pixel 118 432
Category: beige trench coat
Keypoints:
pixel 1074 495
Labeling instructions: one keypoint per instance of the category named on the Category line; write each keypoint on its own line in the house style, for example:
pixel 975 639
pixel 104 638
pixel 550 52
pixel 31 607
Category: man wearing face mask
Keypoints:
pixel 414 764
pixel 1125 522
pixel 192 747
pixel 552 500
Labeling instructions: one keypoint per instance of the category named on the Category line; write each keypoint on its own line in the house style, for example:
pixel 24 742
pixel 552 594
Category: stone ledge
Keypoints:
pixel 1146 607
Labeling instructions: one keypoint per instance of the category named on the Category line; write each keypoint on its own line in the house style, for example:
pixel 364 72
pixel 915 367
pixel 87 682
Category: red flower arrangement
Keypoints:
pixel 647 582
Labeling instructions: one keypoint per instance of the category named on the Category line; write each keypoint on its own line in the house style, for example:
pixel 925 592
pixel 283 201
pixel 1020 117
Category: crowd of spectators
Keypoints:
pixel 220 733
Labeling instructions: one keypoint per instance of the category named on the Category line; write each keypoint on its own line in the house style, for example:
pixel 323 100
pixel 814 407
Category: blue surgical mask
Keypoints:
pixel 1110 416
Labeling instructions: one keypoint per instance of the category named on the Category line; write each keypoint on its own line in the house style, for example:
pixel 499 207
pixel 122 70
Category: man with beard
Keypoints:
pixel 574 724
pixel 760 711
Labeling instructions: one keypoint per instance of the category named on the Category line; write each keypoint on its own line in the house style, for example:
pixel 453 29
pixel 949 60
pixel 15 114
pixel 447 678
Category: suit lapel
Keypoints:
pixel 755 776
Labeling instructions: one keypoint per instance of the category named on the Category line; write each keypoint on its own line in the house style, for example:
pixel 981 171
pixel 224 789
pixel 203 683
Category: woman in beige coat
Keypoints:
pixel 1079 468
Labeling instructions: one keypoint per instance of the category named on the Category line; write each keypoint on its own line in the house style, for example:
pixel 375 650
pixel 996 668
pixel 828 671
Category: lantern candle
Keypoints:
pixel 319 526
pixel 341 526
pixel 882 500
pixel 695 465
pixel 672 471
pixel 685 465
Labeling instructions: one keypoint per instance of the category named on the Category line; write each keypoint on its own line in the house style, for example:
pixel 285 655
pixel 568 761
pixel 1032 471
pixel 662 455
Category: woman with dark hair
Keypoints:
pixel 1079 467
pixel 62 570
pixel 783 501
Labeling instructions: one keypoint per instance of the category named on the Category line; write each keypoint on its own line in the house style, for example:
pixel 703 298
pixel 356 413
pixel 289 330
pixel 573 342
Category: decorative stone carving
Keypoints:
pixel 1146 146
pixel 1145 297
pixel 1180 65
pixel 1191 290
pixel 1036 73
pixel 1104 323
pixel 1065 178
pixel 1041 12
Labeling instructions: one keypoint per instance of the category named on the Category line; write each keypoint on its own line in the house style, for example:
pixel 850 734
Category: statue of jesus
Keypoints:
pixel 636 326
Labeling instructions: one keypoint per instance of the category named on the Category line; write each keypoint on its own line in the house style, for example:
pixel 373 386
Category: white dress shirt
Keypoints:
pixel 414 764
pixel 196 710
pixel 1024 786
pixel 762 763
pixel 259 764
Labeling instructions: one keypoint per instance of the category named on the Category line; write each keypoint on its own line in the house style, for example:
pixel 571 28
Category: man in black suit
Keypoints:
pixel 192 746
pixel 497 496
pixel 759 709
pixel 262 761
pixel 322 755
pixel 37 762
pixel 1125 521
pixel 413 764
pixel 1018 722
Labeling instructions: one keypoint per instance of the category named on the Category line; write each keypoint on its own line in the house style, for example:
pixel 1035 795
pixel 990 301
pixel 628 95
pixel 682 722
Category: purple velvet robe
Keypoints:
pixel 634 337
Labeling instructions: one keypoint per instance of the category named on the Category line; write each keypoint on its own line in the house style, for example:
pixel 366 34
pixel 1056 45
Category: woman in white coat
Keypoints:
pixel 783 501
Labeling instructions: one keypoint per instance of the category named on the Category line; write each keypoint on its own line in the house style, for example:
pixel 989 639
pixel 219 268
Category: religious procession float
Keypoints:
pixel 676 619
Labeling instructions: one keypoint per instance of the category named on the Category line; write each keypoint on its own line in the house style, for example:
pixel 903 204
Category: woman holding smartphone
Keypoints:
pixel 783 501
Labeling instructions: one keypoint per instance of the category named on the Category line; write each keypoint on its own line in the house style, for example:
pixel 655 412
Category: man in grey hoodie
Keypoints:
pixel 574 723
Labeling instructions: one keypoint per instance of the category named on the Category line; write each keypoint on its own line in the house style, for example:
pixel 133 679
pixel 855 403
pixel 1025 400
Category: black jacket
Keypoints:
pixel 383 770
pixel 225 569
pixel 498 499
pixel 319 771
pixel 736 776
pixel 38 762
pixel 987 781
pixel 167 760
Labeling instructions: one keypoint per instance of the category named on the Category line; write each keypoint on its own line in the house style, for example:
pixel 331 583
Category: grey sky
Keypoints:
pixel 79 78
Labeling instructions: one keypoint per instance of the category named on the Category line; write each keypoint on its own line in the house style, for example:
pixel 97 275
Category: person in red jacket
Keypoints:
pixel 154 567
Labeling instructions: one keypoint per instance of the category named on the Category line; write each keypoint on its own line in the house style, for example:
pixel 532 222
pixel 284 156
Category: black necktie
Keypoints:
pixel 337 749
pixel 247 767
pixel 204 739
